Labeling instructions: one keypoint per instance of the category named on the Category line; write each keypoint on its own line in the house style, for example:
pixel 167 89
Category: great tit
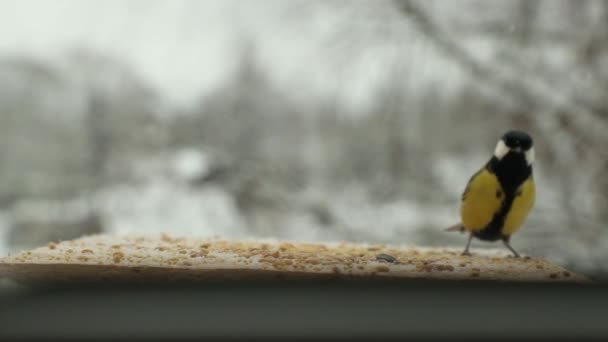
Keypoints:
pixel 498 198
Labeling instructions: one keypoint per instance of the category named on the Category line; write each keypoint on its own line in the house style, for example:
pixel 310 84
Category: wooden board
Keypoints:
pixel 103 258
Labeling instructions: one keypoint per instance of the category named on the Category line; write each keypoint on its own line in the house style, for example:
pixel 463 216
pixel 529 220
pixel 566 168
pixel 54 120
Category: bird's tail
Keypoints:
pixel 458 227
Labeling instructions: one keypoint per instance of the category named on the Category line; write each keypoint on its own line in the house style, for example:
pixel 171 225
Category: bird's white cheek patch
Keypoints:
pixel 530 156
pixel 501 150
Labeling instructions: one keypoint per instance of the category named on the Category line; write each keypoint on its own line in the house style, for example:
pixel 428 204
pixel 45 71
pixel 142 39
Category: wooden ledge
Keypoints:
pixel 162 258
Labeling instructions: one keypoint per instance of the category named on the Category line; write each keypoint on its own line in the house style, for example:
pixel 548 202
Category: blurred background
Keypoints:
pixel 305 120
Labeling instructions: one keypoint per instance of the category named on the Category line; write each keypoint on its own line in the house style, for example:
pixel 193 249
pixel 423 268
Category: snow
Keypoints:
pixel 163 200
pixel 169 207
pixel 191 164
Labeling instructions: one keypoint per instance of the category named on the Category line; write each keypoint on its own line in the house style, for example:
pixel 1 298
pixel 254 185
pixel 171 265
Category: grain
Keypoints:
pixel 382 269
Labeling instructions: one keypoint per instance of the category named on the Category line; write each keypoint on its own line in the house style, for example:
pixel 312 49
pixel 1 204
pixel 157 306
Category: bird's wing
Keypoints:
pixel 466 189
pixel 459 227
pixel 481 199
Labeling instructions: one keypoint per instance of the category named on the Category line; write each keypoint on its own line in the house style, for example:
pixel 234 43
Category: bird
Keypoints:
pixel 498 197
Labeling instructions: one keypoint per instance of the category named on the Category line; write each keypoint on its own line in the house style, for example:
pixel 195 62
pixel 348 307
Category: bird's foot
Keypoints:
pixel 466 253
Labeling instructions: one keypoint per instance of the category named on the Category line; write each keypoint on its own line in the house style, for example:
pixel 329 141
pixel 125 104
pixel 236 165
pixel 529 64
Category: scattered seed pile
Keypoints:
pixel 165 258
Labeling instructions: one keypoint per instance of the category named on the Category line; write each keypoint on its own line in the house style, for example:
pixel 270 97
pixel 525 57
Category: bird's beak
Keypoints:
pixel 516 149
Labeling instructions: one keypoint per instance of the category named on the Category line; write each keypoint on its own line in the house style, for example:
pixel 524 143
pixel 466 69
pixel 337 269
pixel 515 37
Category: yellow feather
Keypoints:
pixel 480 201
pixel 522 205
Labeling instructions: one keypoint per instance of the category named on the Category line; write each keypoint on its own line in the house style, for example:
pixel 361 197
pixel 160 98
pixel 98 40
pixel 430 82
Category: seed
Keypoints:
pixel 382 269
pixel 386 257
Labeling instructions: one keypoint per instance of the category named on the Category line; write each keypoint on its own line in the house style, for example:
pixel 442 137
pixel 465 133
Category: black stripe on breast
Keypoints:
pixel 512 171
pixel 493 231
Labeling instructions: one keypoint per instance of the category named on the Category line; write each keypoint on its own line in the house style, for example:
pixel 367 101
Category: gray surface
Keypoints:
pixel 329 309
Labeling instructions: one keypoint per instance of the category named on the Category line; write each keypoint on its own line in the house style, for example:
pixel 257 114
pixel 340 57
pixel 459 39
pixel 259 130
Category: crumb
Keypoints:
pixel 52 245
pixel 382 269
pixel 462 264
pixel 445 268
pixel 166 237
pixel 553 275
pixel 425 268
pixel 566 274
pixel 275 254
pixel 118 257
pixel 160 248
pixel 82 258
pixel 527 258
pixel 475 275
pixel 87 251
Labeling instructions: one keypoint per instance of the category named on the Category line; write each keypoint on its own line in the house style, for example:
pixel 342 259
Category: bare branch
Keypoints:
pixel 528 94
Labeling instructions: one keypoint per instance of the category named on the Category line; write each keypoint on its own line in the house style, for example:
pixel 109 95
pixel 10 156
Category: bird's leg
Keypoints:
pixel 505 240
pixel 466 249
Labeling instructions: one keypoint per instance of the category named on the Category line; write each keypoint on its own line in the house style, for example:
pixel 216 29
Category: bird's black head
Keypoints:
pixel 515 142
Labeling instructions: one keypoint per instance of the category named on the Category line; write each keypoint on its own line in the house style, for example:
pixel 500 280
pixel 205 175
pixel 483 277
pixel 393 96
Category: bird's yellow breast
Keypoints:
pixel 483 198
pixel 522 204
